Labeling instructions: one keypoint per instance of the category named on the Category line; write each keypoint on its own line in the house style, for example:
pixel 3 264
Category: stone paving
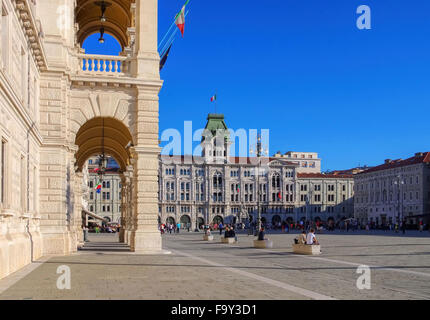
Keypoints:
pixel 200 270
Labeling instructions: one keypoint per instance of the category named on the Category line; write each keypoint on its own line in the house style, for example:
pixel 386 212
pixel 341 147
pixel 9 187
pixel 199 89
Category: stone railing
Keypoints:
pixel 103 64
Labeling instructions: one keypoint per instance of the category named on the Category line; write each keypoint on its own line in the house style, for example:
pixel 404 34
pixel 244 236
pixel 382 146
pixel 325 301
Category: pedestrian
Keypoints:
pixel 178 226
pixel 220 226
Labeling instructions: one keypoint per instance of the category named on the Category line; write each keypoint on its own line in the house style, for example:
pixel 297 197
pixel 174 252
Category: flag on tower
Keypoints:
pixel 213 98
pixel 180 19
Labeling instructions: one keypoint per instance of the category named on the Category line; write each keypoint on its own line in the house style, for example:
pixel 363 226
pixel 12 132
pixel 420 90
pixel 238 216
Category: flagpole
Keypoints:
pixel 172 37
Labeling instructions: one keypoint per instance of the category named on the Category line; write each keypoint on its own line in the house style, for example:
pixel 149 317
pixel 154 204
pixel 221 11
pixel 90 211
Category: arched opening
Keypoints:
pixel 276 220
pixel 116 19
pixel 170 221
pixel 200 223
pixel 104 135
pixel 185 222
pixel 104 151
pixel 110 46
pixel 218 220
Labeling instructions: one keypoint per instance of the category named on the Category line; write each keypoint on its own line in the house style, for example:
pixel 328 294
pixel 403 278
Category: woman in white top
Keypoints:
pixel 311 239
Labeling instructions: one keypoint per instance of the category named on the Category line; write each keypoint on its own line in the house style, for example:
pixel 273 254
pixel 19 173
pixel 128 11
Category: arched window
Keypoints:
pixel 217 180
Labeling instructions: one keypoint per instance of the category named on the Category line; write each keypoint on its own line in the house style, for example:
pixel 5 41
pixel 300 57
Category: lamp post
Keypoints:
pixel 259 152
pixel 197 218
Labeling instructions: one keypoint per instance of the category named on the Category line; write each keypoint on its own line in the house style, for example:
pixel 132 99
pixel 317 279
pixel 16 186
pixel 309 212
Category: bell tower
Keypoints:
pixel 216 140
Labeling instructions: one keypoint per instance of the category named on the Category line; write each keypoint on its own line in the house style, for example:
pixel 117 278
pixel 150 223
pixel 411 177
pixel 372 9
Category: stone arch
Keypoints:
pixel 276 219
pixel 185 221
pixel 116 138
pixel 118 19
pixel 171 220
pixel 218 219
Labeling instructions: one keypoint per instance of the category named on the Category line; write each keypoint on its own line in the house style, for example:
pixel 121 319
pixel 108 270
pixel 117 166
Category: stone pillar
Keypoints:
pixel 146 237
pixel 145 160
pixel 123 222
pixel 78 222
pixel 148 59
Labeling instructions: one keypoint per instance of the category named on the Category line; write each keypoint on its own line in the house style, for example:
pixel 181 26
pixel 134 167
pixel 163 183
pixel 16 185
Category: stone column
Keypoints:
pixel 147 60
pixel 79 176
pixel 146 237
pixel 145 161
pixel 123 220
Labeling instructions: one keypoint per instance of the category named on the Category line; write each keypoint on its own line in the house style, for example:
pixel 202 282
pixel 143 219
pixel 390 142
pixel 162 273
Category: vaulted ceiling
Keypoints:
pixel 118 19
pixel 100 135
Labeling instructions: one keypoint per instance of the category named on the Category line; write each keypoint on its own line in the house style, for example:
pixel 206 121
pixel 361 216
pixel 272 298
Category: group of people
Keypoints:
pixel 170 228
pixel 308 238
pixel 229 232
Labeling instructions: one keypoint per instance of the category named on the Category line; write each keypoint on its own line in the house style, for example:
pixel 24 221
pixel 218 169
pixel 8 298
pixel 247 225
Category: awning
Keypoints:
pixel 91 214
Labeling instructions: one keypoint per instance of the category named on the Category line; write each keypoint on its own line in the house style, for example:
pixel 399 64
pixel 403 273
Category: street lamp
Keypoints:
pixel 259 152
pixel 197 218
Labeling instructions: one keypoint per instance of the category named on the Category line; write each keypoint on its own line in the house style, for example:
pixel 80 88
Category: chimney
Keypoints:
pixel 387 161
pixel 419 154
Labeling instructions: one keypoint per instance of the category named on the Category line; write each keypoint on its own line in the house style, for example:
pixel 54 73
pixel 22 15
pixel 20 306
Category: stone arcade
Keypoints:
pixel 57 104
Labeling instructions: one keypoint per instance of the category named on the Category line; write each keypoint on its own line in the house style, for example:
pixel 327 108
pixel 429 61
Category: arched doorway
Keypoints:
pixel 170 220
pixel 276 219
pixel 218 220
pixel 108 136
pixel 263 221
pixel 185 222
pixel 200 223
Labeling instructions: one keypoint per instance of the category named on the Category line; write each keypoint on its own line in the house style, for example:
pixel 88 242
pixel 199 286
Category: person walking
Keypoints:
pixel 220 226
pixel 404 226
pixel 178 226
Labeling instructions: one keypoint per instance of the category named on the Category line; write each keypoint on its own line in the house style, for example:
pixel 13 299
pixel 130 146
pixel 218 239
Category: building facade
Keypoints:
pixel 107 202
pixel 59 106
pixel 394 191
pixel 216 187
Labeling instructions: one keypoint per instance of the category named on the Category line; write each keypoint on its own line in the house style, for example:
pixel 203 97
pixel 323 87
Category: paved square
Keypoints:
pixel 196 270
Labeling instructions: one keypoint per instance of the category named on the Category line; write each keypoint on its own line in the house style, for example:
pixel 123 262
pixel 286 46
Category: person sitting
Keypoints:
pixel 232 233
pixel 261 234
pixel 301 238
pixel 227 232
pixel 311 239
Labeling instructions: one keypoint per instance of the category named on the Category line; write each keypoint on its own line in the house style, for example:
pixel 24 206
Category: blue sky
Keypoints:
pixel 303 70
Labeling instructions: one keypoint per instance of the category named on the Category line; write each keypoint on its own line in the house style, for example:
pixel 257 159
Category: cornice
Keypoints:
pixel 28 22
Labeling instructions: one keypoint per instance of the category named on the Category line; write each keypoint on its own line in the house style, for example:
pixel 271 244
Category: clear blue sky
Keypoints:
pixel 303 70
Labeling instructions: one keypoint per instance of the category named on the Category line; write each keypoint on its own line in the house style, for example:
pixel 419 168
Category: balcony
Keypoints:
pixel 103 65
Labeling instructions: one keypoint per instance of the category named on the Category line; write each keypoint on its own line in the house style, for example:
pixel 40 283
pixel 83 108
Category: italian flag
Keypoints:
pixel 98 186
pixel 213 98
pixel 180 19
pixel 238 188
pixel 279 195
